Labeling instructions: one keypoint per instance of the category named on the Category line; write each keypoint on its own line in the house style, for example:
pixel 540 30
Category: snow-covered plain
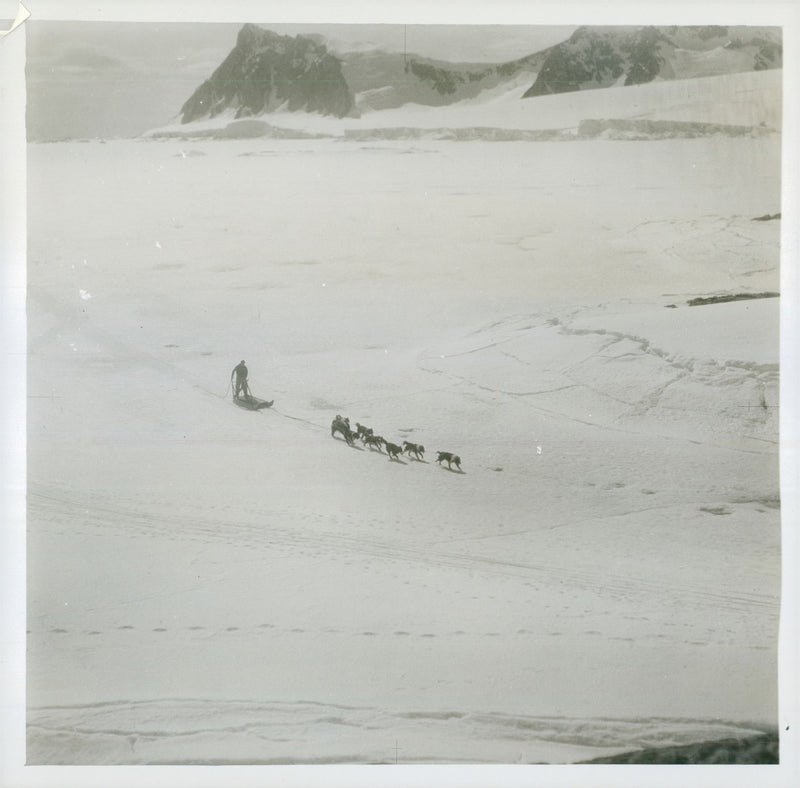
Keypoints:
pixel 212 585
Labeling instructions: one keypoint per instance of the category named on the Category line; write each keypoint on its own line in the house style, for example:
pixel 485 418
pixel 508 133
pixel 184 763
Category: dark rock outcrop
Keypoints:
pixel 598 57
pixel 763 749
pixel 266 71
pixel 381 80
pixel 586 57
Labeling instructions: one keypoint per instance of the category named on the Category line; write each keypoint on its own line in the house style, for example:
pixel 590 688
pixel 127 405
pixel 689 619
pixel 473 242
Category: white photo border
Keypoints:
pixel 13 772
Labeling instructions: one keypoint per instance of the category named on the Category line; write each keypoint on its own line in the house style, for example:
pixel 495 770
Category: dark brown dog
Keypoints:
pixel 414 448
pixel 374 441
pixel 393 450
pixel 342 426
pixel 362 431
pixel 452 459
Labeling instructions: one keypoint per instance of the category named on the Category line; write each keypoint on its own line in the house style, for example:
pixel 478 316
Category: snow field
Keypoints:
pixel 208 583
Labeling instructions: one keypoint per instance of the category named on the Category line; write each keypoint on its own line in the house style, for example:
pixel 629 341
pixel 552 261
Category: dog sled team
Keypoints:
pixel 341 425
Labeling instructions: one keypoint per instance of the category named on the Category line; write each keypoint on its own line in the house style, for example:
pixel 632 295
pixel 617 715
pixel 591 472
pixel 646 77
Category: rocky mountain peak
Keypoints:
pixel 596 57
pixel 265 72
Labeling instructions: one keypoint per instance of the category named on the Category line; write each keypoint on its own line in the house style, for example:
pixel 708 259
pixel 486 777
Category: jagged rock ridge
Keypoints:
pixel 265 71
pixel 382 80
pixel 597 57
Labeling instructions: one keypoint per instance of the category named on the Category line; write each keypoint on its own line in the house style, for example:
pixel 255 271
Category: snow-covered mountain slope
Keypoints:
pixel 267 73
pixel 750 100
pixel 385 80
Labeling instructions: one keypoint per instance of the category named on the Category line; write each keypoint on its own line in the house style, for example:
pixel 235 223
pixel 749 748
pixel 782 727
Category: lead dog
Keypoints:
pixel 417 449
pixel 452 459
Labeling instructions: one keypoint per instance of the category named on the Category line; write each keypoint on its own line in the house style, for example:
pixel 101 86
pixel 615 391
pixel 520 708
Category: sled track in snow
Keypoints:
pixel 55 509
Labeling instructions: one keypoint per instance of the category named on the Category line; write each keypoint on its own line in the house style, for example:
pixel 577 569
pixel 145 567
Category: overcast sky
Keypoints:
pixel 109 79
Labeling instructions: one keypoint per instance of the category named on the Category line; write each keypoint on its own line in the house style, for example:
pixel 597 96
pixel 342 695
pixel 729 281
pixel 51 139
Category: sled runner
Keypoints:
pixel 252 403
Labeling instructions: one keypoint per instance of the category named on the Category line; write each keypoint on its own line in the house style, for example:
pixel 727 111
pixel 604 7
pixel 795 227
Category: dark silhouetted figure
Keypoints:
pixel 240 383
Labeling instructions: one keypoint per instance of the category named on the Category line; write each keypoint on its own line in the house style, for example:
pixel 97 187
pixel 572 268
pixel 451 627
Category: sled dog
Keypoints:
pixel 374 441
pixel 414 448
pixel 342 426
pixel 362 431
pixel 452 459
pixel 393 450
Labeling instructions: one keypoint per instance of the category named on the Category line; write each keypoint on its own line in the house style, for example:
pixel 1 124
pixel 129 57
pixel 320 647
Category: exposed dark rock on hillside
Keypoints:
pixel 381 80
pixel 265 71
pixel 755 750
pixel 598 57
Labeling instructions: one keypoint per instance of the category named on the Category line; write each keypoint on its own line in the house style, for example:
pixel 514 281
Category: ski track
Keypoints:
pixel 264 731
pixel 58 507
